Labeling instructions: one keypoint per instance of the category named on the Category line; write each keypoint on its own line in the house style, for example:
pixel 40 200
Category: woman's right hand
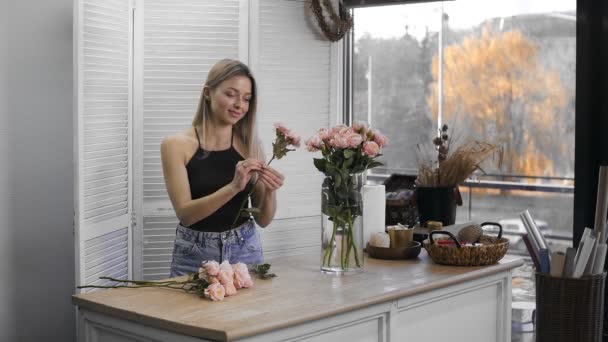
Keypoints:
pixel 244 171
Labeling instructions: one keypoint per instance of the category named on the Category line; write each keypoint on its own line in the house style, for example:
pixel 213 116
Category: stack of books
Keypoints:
pixel 588 258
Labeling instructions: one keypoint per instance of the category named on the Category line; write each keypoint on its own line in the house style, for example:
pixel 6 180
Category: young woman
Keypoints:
pixel 209 168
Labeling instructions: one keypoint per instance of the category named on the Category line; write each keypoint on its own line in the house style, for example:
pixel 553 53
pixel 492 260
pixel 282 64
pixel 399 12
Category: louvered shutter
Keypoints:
pixel 180 41
pixel 102 50
pixel 297 75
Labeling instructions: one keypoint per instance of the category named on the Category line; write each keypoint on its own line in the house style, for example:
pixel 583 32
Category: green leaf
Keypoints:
pixel 358 168
pixel 320 164
pixel 337 180
pixel 348 153
pixel 262 271
pixel 348 163
pixel 263 268
pixel 331 211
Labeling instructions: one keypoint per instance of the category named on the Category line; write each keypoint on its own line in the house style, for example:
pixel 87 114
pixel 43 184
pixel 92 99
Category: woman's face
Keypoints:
pixel 230 100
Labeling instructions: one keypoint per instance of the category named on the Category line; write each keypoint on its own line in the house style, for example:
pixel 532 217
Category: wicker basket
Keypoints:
pixel 492 250
pixel 569 309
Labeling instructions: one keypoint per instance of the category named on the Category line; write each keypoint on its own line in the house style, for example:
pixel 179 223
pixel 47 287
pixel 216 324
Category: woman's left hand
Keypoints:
pixel 271 178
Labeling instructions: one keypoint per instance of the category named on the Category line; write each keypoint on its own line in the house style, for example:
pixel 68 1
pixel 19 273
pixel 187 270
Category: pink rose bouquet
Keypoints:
pixel 346 152
pixel 213 280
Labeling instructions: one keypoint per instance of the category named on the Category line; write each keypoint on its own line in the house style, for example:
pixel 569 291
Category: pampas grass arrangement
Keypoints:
pixel 452 168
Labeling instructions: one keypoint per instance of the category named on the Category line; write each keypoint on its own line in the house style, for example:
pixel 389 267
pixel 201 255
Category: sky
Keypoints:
pixel 390 21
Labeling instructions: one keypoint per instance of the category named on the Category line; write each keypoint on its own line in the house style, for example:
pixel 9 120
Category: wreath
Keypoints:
pixel 342 22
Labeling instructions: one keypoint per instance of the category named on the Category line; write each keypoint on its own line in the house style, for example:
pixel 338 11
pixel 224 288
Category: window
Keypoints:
pixel 489 70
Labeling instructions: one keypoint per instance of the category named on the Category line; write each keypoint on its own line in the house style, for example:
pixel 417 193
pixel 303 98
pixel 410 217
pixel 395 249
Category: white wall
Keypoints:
pixel 36 172
pixel 5 190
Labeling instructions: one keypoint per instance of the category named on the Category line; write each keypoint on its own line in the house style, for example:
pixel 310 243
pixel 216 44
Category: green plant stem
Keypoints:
pixel 342 244
pixel 329 252
pixel 352 239
pixel 238 214
pixel 348 244
pixel 347 256
pixel 144 281
pixel 129 286
pixel 177 285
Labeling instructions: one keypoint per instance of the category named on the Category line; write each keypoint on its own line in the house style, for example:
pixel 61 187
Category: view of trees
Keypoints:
pixel 495 86
pixel 516 84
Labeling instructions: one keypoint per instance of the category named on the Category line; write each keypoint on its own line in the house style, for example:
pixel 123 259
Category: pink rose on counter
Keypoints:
pixel 213 287
pixel 242 278
pixel 225 265
pixel 216 292
pixel 230 289
pixel 212 267
pixel 225 274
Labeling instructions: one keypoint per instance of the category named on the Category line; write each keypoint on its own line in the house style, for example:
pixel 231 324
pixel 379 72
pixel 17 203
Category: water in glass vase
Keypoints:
pixel 342 225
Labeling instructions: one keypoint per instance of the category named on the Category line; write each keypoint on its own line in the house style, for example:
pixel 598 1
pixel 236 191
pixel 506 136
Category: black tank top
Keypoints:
pixel 208 171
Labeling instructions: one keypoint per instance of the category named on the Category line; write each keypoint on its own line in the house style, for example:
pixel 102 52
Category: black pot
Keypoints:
pixel 436 204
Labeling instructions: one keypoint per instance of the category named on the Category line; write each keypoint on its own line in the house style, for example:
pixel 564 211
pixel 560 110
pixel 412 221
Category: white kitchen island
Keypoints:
pixel 407 300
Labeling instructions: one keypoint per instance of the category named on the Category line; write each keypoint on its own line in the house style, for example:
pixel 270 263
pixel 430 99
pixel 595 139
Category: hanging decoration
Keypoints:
pixel 342 23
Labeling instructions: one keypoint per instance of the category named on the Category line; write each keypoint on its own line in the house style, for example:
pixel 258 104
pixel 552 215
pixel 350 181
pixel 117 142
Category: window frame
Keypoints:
pixel 591 108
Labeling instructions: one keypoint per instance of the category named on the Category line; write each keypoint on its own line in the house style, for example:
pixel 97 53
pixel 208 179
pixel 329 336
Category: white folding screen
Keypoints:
pixel 297 74
pixel 179 42
pixel 102 111
pixel 141 65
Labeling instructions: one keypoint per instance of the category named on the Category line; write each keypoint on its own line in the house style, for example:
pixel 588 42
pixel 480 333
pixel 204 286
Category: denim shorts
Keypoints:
pixel 191 248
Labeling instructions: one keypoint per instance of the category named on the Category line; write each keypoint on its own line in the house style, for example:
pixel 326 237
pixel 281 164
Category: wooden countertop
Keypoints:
pixel 300 293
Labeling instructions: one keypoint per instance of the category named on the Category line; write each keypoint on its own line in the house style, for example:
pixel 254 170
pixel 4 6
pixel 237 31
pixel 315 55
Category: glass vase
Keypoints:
pixel 342 224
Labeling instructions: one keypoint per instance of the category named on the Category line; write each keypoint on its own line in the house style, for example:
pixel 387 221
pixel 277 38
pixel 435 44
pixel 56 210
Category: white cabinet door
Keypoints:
pixel 102 139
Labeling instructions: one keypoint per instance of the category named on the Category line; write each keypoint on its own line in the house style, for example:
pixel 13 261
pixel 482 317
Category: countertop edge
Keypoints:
pixel 485 271
pixel 231 335
pixel 218 335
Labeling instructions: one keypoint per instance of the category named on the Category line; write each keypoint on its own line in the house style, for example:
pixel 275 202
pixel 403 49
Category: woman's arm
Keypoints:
pixel 191 211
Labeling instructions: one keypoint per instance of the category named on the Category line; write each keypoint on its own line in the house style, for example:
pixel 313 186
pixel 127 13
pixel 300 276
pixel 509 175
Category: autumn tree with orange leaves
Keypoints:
pixel 495 87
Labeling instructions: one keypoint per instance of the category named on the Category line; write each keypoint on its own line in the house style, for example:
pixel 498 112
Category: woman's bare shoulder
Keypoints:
pixel 182 142
pixel 179 139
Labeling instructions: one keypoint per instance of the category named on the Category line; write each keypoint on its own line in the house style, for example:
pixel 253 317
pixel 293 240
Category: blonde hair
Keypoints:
pixel 245 129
